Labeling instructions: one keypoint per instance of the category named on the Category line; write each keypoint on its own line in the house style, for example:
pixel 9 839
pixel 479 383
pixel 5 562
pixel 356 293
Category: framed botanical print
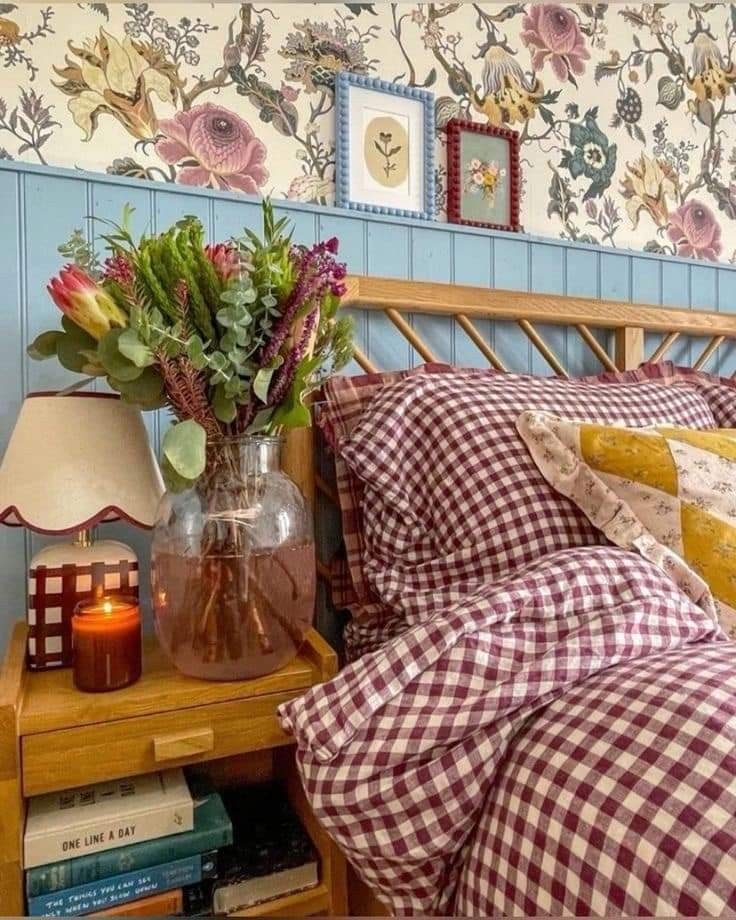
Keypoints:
pixel 384 147
pixel 483 176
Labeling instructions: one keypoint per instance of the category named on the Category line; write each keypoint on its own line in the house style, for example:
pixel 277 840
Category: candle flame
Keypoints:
pixel 107 608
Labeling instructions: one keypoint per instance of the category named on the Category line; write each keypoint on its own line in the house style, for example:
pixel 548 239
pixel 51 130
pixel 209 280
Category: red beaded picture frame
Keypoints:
pixel 455 129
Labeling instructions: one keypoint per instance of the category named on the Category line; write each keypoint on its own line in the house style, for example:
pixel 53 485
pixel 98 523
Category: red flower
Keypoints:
pixel 85 302
pixel 695 231
pixel 218 148
pixel 225 258
pixel 552 32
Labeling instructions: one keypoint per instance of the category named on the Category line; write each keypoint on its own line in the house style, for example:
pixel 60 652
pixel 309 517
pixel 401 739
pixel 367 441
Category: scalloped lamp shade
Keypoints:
pixel 76 461
pixel 73 462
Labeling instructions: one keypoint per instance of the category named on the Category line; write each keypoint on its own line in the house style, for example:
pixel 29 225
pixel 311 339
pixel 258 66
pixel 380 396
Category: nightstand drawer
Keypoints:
pixel 76 756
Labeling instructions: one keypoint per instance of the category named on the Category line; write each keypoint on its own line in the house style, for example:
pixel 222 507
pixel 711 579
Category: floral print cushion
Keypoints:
pixel 668 493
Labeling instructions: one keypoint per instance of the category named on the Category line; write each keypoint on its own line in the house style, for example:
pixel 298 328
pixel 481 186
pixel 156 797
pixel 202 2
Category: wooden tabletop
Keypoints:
pixel 51 701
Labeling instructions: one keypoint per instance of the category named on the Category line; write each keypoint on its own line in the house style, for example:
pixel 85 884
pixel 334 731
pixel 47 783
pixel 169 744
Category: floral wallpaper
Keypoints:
pixel 626 112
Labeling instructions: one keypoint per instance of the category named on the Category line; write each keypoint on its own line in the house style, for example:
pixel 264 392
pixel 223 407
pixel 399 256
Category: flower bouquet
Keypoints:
pixel 231 337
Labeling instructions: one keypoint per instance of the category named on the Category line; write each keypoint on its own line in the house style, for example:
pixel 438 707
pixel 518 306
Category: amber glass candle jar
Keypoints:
pixel 106 642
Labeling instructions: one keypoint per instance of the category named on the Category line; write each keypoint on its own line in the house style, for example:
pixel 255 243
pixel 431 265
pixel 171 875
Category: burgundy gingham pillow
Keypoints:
pixel 345 401
pixel 718 392
pixel 453 500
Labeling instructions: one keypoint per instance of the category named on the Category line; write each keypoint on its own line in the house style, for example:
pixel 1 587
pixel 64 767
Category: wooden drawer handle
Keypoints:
pixel 183 744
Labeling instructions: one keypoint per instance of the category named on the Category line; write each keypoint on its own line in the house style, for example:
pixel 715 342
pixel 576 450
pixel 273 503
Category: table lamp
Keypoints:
pixel 72 462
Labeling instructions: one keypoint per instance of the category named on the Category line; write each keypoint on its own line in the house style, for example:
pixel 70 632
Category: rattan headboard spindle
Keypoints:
pixel 466 304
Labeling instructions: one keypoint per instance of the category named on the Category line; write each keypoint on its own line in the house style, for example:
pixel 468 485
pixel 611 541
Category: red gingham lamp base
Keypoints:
pixel 59 578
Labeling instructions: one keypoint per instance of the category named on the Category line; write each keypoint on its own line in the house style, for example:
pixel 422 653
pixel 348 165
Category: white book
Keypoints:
pixel 62 825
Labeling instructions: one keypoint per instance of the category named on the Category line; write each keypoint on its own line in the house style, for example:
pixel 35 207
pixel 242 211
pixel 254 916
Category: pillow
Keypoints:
pixel 451 496
pixel 345 401
pixel 669 493
pixel 718 392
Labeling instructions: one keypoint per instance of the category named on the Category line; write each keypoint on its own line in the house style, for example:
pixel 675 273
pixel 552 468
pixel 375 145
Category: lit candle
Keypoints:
pixel 106 641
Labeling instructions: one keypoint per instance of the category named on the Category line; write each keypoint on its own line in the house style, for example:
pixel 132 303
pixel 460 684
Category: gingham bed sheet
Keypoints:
pixel 563 741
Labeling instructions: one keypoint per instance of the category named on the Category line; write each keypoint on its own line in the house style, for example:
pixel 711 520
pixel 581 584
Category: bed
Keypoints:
pixel 554 732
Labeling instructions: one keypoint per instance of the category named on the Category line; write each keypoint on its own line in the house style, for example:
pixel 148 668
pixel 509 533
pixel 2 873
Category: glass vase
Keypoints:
pixel 233 565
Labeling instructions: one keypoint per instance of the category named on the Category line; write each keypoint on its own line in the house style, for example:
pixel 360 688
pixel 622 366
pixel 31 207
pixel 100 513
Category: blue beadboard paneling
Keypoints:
pixel 12 278
pixel 431 260
pixel 726 286
pixel 387 250
pixel 646 287
pixel 615 283
pixel 387 255
pixel 582 279
pixel 168 207
pixel 473 264
pixel 548 277
pixel 304 223
pixel 43 206
pixel 511 271
pixel 230 217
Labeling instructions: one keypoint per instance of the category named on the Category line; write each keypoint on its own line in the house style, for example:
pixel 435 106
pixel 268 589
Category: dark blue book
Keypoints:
pixel 86 899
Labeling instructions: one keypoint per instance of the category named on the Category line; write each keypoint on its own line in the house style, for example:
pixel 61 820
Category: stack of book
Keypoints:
pixel 125 847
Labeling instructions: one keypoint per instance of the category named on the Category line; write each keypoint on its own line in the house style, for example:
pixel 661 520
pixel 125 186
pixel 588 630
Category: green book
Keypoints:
pixel 212 830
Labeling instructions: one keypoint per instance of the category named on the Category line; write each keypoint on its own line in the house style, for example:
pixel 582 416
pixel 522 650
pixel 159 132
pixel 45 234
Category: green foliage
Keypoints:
pixel 185 449
pixel 74 347
pixel 45 345
pixel 146 391
pixel 199 331
pixel 79 250
pixel 115 363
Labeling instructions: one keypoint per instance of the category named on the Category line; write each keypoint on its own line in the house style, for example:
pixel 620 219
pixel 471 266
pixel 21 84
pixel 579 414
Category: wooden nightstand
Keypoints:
pixel 54 737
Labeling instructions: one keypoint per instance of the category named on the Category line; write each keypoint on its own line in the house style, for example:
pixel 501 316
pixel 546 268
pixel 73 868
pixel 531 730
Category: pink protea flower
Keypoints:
pixel 85 303
pixel 693 228
pixel 225 151
pixel 552 33
pixel 225 258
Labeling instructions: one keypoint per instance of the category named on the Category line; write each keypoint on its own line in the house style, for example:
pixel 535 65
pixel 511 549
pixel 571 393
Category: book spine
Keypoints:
pixel 130 886
pixel 172 818
pixel 85 869
pixel 163 904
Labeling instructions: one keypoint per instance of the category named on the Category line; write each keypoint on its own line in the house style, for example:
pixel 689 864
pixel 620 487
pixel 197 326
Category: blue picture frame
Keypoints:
pixel 344 83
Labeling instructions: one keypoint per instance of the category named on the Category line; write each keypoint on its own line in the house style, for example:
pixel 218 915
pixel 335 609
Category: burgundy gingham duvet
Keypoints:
pixel 562 741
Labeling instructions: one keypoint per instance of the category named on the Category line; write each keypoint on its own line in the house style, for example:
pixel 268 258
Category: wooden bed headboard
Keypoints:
pixel 465 305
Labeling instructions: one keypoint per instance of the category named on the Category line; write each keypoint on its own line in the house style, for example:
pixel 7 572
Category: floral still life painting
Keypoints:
pixel 485 178
pixel 482 175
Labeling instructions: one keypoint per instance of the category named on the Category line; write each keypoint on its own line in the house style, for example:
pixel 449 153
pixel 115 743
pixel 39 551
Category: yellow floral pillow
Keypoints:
pixel 669 493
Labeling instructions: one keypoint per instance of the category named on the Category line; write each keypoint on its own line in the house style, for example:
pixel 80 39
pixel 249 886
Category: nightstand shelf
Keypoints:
pixel 54 737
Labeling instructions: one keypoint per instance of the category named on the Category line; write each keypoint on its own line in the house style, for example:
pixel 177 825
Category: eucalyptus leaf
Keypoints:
pixel 173 481
pixel 71 347
pixel 233 387
pixel 44 345
pixel 224 405
pixel 146 391
pixel 261 383
pixel 225 317
pixel 184 446
pixel 261 421
pixel 92 365
pixel 134 350
pixel 115 363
